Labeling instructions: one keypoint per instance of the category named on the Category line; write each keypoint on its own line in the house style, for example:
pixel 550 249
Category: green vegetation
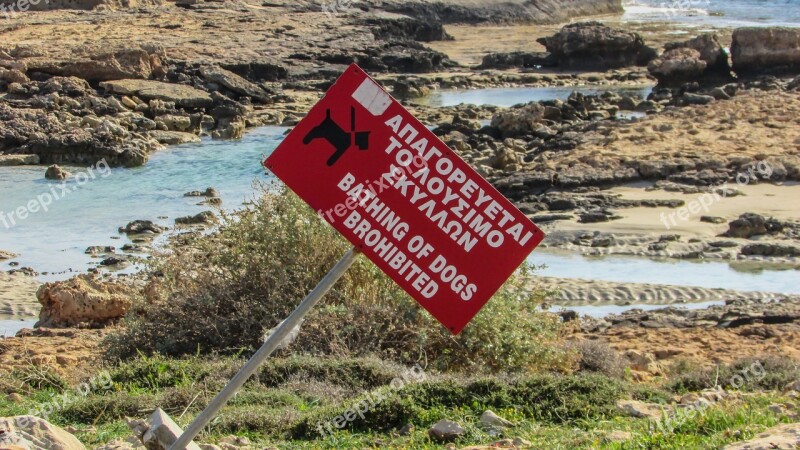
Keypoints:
pixel 221 294
pixel 283 405
pixel 749 374
pixel 212 298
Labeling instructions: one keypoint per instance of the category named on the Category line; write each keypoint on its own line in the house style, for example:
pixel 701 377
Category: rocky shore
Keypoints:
pixel 705 167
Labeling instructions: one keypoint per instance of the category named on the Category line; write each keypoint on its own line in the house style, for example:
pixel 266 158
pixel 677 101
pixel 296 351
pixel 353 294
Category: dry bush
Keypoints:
pixel 598 356
pixel 220 294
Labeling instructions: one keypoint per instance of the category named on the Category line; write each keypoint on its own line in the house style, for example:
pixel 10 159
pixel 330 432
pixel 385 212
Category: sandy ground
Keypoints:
pixel 72 353
pixel 706 346
pixel 578 292
pixel 18 297
pixel 779 201
pixel 472 42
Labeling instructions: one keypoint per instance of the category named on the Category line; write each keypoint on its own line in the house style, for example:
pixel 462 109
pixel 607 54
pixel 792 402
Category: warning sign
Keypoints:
pixel 406 200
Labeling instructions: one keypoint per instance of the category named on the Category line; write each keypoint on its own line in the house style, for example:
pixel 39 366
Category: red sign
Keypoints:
pixel 406 200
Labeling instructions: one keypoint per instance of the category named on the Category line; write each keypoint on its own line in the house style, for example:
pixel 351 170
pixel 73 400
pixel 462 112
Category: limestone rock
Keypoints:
pixel 749 224
pixel 163 432
pixel 519 121
pixel 82 300
pixel 234 82
pixel 689 98
pixel 13 76
pixel 641 410
pixel 229 128
pixel 445 431
pixel 209 192
pixel 181 95
pixel 235 443
pixel 760 49
pixel 55 172
pixel 19 160
pixel 31 432
pixel 779 437
pixel 173 122
pixel 645 362
pixel 710 50
pixel 491 420
pixel 677 66
pixel 141 227
pixel 131 63
pixel 592 45
pixel 517 59
pixel 174 137
pixel 203 218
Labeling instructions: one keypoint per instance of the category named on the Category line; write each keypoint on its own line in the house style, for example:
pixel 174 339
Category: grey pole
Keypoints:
pixel 265 351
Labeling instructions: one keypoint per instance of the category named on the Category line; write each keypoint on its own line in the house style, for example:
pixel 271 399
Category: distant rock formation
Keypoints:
pixel 510 11
pixel 594 46
pixel 766 50
pixel 51 5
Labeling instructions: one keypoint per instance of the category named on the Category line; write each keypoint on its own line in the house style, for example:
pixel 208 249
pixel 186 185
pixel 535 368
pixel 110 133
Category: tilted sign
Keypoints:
pixel 403 198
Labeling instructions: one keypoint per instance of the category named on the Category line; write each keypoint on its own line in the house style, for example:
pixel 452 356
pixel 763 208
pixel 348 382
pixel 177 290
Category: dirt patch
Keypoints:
pixel 18 297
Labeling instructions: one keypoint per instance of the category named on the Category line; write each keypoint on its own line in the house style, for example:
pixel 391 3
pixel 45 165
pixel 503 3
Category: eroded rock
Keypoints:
pixel 30 432
pixel 766 49
pixel 19 160
pixel 82 300
pixel 445 431
pixel 181 95
pixel 780 437
pixel 55 172
pixel 677 66
pixel 163 432
pixel 592 45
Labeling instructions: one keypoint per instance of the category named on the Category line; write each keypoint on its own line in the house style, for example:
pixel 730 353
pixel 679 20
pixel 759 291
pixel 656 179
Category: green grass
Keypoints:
pixel 282 405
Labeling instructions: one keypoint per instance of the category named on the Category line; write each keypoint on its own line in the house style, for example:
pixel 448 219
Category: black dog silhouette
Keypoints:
pixel 340 139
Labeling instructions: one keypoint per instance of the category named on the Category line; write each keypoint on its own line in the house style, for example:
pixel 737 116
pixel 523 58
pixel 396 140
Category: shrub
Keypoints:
pixel 597 356
pixel 39 377
pixel 220 293
pixel 751 374
pixel 545 397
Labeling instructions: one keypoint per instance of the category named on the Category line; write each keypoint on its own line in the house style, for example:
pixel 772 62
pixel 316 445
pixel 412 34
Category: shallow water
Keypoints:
pixel 513 96
pixel 55 241
pixel 695 273
pixel 718 13
pixel 9 328
pixel 605 310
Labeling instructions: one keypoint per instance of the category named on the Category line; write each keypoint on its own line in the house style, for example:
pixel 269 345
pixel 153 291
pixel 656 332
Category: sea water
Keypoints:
pixel 717 13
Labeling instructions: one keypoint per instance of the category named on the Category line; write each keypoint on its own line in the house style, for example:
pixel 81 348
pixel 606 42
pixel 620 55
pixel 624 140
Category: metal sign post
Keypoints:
pixel 265 351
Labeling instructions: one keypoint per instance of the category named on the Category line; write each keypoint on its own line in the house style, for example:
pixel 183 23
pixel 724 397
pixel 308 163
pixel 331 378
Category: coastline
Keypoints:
pixel 662 309
pixel 632 230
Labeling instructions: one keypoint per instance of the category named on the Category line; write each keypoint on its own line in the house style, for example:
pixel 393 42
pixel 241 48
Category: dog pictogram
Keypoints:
pixel 340 139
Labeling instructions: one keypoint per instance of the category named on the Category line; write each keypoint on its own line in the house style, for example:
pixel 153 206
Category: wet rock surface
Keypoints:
pixel 734 314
